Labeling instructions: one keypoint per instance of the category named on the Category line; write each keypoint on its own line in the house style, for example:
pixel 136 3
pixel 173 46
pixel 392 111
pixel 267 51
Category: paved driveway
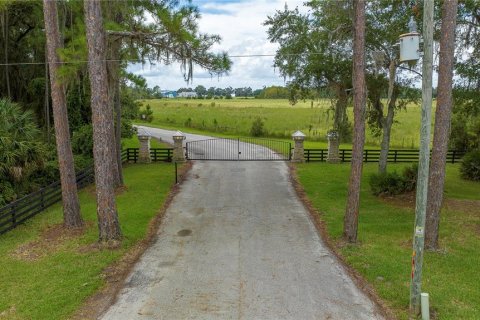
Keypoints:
pixel 237 243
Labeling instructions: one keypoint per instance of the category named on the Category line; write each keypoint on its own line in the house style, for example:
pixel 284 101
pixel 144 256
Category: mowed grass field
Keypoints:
pixel 383 253
pixel 234 117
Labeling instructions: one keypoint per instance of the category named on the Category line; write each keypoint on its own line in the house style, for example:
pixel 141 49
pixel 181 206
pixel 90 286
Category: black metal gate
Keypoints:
pixel 240 149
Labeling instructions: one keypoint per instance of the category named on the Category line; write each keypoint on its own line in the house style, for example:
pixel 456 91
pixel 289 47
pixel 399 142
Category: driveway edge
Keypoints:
pixel 98 303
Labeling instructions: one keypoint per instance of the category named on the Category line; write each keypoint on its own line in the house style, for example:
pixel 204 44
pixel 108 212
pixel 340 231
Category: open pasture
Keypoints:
pixel 234 117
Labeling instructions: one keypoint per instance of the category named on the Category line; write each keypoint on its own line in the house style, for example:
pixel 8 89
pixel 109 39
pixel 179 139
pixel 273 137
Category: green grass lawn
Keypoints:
pixel 234 117
pixel 56 282
pixel 133 142
pixel 383 255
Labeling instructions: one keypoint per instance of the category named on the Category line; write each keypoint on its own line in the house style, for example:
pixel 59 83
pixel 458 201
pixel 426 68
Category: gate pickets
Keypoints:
pixel 240 149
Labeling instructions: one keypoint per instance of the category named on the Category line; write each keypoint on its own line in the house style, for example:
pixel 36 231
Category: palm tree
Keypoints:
pixel 21 153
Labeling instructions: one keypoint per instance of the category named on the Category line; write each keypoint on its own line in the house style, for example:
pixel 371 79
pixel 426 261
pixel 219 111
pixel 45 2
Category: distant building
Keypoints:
pixel 187 95
pixel 169 94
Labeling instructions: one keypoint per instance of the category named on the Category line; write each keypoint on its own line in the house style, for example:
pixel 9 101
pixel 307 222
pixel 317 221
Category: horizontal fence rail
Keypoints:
pixel 395 156
pixel 27 207
pixel 240 149
pixel 156 154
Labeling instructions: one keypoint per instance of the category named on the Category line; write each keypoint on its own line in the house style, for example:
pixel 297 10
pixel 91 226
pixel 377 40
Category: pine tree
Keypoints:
pixel 102 121
pixel 71 205
pixel 359 101
pixel 442 124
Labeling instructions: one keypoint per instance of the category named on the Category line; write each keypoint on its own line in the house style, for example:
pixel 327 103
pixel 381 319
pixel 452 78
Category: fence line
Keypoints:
pixel 32 204
pixel 27 207
pixel 369 155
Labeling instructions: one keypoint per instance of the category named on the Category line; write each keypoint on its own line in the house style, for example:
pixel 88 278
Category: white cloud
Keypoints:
pixel 239 23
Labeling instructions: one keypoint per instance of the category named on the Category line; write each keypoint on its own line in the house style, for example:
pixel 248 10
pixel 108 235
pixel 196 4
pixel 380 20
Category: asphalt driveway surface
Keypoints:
pixel 237 243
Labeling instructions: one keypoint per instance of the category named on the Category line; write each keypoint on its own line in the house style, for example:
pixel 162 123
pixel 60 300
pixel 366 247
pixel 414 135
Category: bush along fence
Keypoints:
pixel 19 211
pixel 395 156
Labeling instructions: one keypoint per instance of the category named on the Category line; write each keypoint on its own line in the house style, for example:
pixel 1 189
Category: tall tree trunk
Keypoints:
pixel 71 205
pixel 5 48
pixel 388 121
pixel 47 97
pixel 113 68
pixel 102 121
pixel 118 132
pixel 442 124
pixel 359 100
pixel 340 115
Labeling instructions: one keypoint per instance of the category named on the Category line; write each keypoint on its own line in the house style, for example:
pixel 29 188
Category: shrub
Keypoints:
pixel 147 114
pixel 470 168
pixel 82 162
pixel 7 193
pixel 394 183
pixel 189 123
pixel 410 175
pixel 48 174
pixel 386 183
pixel 82 140
pixel 257 128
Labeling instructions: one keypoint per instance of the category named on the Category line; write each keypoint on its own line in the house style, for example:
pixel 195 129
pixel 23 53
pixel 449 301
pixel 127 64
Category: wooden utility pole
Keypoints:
pixel 442 124
pixel 350 225
pixel 424 159
pixel 71 205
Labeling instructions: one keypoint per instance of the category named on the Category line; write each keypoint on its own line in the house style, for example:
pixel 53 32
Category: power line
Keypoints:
pixel 141 61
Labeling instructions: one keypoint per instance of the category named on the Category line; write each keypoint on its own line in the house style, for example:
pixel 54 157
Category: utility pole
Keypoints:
pixel 424 160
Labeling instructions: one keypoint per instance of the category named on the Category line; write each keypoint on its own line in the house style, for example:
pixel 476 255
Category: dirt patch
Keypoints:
pixel 51 239
pixel 115 274
pixel 408 201
pixel 467 206
pixel 315 216
pixel 9 313
pixel 477 229
pixel 98 246
pixel 120 190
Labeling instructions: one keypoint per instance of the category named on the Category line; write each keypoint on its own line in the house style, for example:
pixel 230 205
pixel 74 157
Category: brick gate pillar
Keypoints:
pixel 333 147
pixel 178 154
pixel 298 151
pixel 144 152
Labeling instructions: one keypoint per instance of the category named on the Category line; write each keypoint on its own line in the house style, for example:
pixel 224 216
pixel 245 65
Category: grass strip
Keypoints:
pixel 48 275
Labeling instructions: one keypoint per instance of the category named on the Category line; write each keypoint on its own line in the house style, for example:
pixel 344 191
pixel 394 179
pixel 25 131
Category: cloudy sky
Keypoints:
pixel 239 23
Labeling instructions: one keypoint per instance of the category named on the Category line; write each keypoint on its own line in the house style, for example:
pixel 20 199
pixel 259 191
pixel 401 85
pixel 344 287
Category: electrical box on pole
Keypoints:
pixel 410 44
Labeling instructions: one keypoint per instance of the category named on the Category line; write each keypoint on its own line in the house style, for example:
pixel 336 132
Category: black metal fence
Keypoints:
pixel 395 156
pixel 24 208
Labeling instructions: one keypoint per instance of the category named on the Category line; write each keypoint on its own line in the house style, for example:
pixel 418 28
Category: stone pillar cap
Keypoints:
pixel 142 132
pixel 298 134
pixel 179 134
